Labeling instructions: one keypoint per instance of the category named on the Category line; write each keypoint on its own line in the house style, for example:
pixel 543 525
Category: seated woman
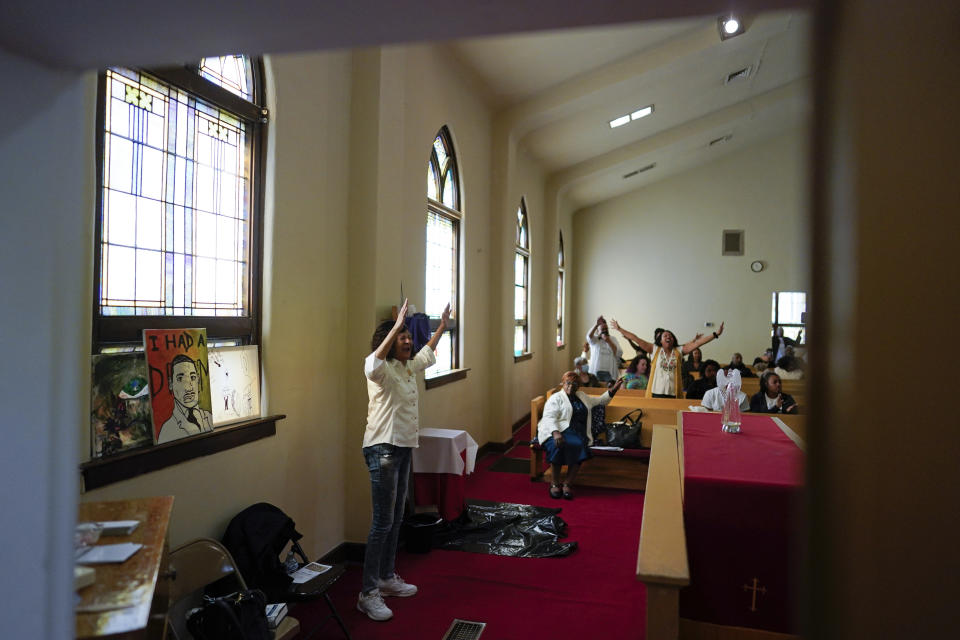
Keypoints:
pixel 737 363
pixel 586 378
pixel 637 373
pixel 706 381
pixel 665 377
pixel 691 364
pixel 769 399
pixel 787 368
pixel 564 430
pixel 713 398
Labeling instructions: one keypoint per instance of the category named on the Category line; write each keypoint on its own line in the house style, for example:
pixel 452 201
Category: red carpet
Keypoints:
pixel 591 594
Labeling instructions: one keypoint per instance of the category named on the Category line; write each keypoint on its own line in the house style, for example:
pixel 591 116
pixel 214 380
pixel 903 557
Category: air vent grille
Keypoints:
pixel 732 242
pixel 464 630
pixel 740 74
pixel 640 170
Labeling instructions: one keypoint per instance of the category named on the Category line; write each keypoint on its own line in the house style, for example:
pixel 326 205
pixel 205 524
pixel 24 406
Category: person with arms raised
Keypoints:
pixel 390 437
pixel 665 371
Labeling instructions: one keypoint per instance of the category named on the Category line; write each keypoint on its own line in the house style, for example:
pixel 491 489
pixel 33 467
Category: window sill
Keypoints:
pixel 523 356
pixel 561 347
pixel 445 378
pixel 101 472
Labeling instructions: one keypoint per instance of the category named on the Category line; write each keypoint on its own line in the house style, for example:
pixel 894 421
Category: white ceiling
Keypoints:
pixel 559 90
pixel 554 90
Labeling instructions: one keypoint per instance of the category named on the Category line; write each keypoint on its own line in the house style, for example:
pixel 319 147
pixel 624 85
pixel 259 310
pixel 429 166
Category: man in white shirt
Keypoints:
pixel 605 352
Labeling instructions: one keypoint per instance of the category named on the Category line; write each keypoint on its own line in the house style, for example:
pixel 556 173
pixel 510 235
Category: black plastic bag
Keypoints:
pixel 506 529
pixel 238 616
pixel 625 433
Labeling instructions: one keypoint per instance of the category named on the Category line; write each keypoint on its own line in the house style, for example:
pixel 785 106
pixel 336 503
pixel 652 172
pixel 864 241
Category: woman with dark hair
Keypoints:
pixel 691 364
pixel 586 378
pixel 564 431
pixel 391 435
pixel 666 375
pixel 769 399
pixel 638 372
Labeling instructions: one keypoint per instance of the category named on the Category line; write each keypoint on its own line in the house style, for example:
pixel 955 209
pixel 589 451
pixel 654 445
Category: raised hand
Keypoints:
pixel 613 323
pixel 445 316
pixel 401 315
pixel 720 330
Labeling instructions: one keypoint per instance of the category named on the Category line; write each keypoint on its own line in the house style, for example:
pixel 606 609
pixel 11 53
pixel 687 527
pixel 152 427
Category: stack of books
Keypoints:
pixel 276 613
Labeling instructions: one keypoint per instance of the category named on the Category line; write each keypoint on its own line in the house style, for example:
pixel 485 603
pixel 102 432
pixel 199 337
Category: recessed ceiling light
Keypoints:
pixel 642 113
pixel 729 25
pixel 619 122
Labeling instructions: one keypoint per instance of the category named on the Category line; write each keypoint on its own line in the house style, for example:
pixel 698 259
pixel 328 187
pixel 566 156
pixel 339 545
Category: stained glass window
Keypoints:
pixel 521 283
pixel 443 249
pixel 560 277
pixel 178 202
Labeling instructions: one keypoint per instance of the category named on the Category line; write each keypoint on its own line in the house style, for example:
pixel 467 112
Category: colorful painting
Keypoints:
pixel 119 404
pixel 179 382
pixel 235 383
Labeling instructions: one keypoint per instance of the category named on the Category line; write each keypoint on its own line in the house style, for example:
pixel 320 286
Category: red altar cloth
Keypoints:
pixel 742 494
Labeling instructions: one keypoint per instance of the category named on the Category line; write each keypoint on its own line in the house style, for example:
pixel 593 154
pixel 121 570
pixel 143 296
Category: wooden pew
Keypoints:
pixel 662 556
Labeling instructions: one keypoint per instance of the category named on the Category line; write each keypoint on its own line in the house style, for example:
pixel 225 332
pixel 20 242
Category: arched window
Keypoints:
pixel 560 272
pixel 521 284
pixel 178 236
pixel 443 249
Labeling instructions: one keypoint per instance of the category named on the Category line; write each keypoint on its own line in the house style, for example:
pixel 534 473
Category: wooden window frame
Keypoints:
pixel 523 222
pixel 110 331
pixel 454 215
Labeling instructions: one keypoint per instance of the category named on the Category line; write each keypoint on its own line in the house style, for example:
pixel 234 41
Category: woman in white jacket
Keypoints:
pixel 564 430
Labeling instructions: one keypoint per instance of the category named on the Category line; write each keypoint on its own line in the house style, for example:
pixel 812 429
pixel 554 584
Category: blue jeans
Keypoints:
pixel 389 468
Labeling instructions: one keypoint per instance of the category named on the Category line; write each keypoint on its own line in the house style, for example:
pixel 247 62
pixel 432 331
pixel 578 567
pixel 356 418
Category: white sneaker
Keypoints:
pixel 372 604
pixel 395 586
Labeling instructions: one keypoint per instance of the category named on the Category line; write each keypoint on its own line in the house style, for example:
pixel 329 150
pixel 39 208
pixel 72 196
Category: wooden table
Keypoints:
pixel 118 604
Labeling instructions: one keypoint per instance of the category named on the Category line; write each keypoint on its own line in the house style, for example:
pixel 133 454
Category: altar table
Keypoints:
pixel 440 466
pixel 741 499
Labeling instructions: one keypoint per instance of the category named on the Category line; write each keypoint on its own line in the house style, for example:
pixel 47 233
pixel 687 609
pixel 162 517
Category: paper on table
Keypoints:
pixel 308 572
pixel 109 553
pixel 119 527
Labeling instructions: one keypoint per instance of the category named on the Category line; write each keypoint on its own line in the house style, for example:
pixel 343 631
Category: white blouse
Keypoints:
pixel 663 376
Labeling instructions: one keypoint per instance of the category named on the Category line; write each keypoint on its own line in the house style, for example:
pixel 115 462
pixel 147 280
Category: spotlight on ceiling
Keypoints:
pixel 730 26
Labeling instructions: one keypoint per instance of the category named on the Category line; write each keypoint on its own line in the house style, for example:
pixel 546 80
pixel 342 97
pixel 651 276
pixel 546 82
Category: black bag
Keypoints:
pixel 238 616
pixel 625 433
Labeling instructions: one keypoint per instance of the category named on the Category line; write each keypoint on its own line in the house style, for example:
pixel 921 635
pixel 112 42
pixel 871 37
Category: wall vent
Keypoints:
pixel 740 74
pixel 720 140
pixel 640 170
pixel 732 242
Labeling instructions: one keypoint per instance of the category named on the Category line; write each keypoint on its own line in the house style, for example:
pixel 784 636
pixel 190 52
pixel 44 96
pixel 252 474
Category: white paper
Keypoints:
pixel 119 527
pixel 603 448
pixel 109 553
pixel 308 572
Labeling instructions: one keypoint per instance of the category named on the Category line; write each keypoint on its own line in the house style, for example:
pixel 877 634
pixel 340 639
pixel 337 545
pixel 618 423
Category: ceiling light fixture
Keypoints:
pixel 729 26
pixel 643 112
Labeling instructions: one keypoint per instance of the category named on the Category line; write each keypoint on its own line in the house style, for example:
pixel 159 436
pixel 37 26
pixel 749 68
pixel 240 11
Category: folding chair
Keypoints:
pixel 196 565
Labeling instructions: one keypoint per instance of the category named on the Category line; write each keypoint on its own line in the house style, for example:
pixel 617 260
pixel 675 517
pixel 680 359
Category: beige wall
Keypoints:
pixel 651 258
pixel 301 470
pixel 417 90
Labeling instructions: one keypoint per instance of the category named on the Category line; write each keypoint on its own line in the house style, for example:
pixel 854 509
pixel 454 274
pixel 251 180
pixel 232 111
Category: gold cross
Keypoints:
pixel 755 588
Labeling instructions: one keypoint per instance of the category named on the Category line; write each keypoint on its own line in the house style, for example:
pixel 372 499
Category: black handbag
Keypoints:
pixel 625 433
pixel 238 616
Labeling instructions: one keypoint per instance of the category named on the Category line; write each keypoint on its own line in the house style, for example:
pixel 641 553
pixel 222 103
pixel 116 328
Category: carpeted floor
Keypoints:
pixel 591 594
